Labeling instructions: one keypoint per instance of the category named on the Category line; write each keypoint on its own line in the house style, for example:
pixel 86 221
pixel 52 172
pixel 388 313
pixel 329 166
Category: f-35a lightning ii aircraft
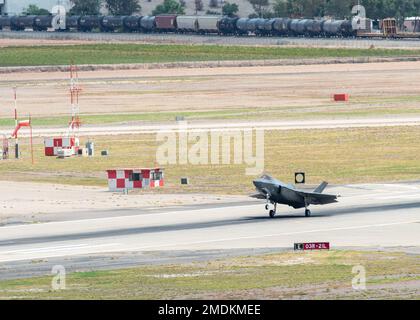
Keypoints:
pixel 276 192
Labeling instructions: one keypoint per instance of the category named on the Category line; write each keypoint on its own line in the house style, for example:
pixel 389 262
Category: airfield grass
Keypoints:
pixel 340 156
pixel 287 275
pixel 117 53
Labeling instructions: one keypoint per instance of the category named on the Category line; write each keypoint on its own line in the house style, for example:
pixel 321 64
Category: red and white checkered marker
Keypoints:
pixel 52 145
pixel 128 179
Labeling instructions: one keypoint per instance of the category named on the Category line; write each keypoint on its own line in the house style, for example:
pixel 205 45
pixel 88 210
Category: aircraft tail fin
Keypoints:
pixel 321 187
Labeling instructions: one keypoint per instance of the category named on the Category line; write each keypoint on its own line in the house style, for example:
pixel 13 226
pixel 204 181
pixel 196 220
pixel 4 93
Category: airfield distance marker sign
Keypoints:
pixel 312 246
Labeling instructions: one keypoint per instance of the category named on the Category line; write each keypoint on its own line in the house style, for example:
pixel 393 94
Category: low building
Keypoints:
pixel 129 179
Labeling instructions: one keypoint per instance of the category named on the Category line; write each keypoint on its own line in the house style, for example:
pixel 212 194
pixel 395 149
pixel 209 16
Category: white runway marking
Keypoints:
pixel 235 126
pixel 283 234
pixel 59 248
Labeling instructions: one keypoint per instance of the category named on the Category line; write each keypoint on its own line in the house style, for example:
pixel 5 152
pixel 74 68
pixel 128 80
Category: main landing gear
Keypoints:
pixel 307 211
pixel 273 212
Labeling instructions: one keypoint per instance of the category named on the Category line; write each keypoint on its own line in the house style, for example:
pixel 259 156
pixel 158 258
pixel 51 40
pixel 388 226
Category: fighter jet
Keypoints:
pixel 276 192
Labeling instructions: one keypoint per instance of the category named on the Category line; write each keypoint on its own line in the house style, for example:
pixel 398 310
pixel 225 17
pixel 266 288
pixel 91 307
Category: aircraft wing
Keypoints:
pixel 258 196
pixel 318 198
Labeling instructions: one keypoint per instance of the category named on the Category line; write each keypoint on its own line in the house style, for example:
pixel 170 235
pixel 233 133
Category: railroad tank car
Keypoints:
pixel 280 26
pixel 251 25
pixel 112 23
pixel 208 24
pixel 72 22
pixel 314 27
pixel 42 23
pixel 259 26
pixel 148 23
pixel 227 25
pixel 336 30
pixel 187 23
pixel 242 26
pixel 20 23
pixel 301 26
pixel 132 23
pixel 166 23
pixel 329 27
pixel 268 27
pixel 292 27
pixel 347 29
pixel 89 23
pixel 4 22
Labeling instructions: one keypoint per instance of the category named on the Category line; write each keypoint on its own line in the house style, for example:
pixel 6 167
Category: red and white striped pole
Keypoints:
pixel 16 124
pixel 32 143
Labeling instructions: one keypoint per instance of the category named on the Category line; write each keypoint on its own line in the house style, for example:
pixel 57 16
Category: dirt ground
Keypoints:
pixel 37 42
pixel 29 202
pixel 200 89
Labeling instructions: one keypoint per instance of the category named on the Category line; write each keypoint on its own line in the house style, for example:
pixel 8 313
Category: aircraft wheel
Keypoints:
pixel 272 213
pixel 307 213
pixel 266 207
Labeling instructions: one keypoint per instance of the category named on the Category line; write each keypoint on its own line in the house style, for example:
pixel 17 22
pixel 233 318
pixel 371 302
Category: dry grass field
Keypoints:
pixel 314 275
pixel 281 92
pixel 340 156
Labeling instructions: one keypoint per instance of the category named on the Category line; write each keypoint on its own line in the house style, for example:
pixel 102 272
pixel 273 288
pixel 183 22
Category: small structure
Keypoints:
pixel 54 145
pixel 341 97
pixel 129 179
pixel 5 148
pixel 90 147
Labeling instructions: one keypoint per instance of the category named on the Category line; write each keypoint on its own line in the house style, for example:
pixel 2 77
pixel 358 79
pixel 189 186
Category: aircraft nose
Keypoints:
pixel 256 183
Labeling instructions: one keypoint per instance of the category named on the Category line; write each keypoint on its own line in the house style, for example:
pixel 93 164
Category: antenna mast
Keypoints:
pixel 75 89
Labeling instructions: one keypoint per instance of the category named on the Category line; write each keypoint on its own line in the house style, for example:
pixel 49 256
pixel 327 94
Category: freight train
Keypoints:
pixel 220 25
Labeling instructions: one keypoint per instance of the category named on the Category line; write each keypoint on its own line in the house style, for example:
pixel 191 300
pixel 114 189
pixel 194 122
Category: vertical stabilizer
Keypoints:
pixel 321 187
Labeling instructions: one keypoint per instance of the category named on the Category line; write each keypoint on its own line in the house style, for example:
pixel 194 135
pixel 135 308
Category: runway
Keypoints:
pixel 368 216
pixel 230 126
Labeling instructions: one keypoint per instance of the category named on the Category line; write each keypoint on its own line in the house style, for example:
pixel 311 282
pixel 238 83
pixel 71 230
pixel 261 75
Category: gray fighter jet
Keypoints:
pixel 276 192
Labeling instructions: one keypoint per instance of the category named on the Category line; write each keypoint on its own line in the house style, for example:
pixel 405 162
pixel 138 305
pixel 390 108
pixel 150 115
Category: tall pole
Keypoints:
pixel 16 124
pixel 32 143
